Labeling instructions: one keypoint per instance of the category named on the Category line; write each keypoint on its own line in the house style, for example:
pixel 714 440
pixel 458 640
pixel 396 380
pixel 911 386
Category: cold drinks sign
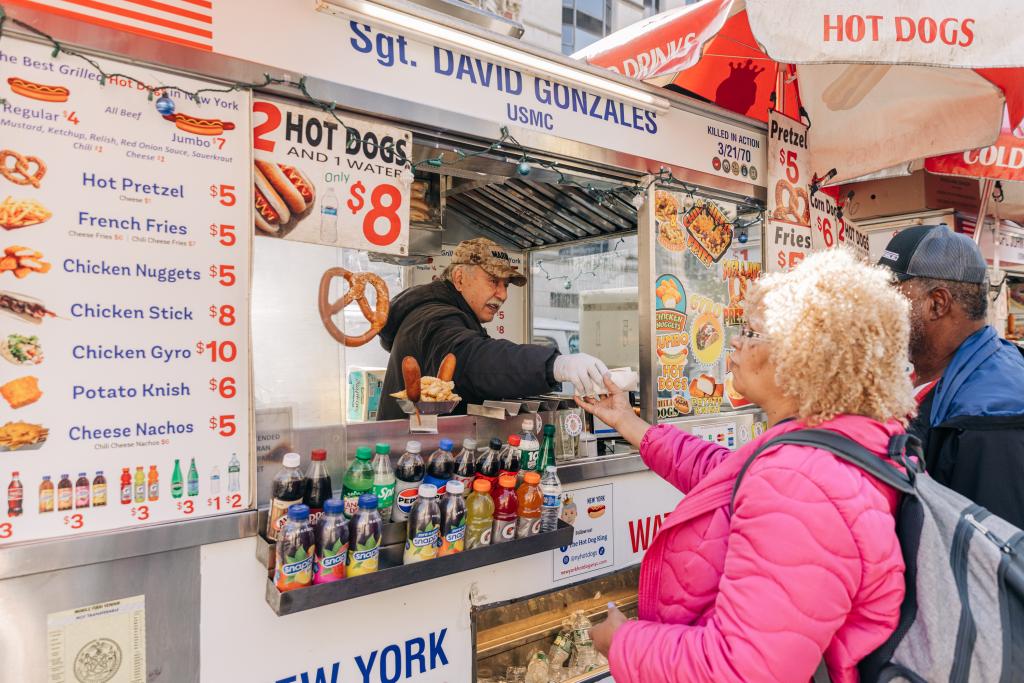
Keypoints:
pixel 318 181
pixel 123 312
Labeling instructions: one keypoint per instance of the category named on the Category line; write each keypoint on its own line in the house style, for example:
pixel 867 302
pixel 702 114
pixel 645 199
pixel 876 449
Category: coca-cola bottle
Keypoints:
pixel 15 496
pixel 318 486
pixel 488 465
pixel 465 463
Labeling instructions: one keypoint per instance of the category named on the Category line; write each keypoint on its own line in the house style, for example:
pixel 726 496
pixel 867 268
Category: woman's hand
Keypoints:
pixel 603 633
pixel 612 409
pixel 615 411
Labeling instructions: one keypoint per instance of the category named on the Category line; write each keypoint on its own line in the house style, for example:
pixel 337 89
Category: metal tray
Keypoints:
pixel 426 407
pixel 392 574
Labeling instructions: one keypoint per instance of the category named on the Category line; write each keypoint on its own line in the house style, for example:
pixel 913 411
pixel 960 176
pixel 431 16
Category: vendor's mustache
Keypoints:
pixel 495 302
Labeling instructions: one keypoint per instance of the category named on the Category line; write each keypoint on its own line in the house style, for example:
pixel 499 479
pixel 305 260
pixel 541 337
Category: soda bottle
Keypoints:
pixel 318 485
pixel 424 527
pixel 126 486
pixel 15 496
pixel 440 467
pixel 82 491
pixel 453 519
pixel 193 479
pixel 288 488
pixel 530 500
pixel 529 448
pixel 506 509
pixel 509 458
pixel 139 485
pixel 551 507
pixel 465 463
pixel 99 490
pixel 547 448
pixel 296 549
pixel 479 515
pixel 177 488
pixel 409 471
pixel 364 531
pixel 358 480
pixel 215 481
pixel 46 500
pixel 152 485
pixel 488 465
pixel 329 217
pixel 331 542
pixel 234 468
pixel 65 493
pixel 383 480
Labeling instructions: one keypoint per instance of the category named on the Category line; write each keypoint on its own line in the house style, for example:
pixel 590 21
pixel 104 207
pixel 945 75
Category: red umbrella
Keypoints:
pixel 872 103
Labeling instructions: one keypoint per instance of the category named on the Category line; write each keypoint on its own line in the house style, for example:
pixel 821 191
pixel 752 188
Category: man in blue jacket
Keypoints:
pixel 970 382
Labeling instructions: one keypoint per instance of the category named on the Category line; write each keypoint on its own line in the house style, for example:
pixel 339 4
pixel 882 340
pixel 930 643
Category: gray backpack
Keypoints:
pixel 963 615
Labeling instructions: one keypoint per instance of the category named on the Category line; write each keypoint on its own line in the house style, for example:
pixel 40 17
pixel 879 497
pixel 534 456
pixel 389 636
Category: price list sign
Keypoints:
pixel 319 181
pixel 124 283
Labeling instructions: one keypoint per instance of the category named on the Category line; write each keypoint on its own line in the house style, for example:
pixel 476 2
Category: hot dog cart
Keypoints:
pixel 186 351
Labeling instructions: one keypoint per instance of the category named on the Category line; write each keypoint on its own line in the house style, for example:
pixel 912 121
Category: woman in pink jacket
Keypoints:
pixel 808 566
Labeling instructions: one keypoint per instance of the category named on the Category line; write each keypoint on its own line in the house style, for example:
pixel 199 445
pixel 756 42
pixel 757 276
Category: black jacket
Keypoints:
pixel 429 321
pixel 976 444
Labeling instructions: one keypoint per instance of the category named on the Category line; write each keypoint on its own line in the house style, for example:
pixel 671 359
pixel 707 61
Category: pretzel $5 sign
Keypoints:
pixel 317 182
pixel 788 236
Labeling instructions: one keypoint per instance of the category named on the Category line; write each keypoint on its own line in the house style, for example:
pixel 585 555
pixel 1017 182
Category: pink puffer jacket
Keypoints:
pixel 808 564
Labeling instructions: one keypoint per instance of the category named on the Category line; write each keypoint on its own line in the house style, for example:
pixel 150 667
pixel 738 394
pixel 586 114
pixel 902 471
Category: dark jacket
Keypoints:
pixel 972 425
pixel 429 321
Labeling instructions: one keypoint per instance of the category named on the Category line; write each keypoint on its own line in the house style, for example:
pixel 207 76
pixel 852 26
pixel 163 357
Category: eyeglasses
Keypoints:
pixel 748 333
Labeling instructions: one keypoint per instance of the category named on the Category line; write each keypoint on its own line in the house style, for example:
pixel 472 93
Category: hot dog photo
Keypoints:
pixel 38 91
pixel 283 195
pixel 197 125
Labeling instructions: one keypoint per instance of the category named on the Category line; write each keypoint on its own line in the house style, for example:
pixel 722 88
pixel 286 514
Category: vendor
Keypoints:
pixel 429 321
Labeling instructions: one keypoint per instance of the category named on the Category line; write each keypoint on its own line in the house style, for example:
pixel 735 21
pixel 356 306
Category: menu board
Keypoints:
pixel 124 281
pixel 702 272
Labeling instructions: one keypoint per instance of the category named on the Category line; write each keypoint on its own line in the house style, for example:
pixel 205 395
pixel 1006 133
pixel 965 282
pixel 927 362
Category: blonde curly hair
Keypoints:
pixel 838 338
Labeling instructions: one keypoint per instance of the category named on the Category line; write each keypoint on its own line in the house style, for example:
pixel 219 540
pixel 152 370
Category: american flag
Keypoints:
pixel 184 22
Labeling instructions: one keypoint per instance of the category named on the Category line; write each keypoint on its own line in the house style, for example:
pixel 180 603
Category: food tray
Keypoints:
pixel 426 407
pixel 393 574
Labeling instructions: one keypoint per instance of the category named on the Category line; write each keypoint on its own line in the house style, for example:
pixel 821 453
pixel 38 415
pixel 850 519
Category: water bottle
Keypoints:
pixel 551 508
pixel 329 217
pixel 234 468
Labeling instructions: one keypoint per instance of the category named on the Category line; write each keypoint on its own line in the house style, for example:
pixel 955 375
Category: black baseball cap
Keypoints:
pixel 934 251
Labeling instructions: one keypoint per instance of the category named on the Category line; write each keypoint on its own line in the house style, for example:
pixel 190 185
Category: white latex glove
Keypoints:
pixel 584 371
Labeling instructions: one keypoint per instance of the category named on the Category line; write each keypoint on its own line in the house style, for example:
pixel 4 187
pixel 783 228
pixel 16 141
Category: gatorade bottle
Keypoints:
pixel 296 549
pixel 453 519
pixel 465 463
pixel 506 508
pixel 479 515
pixel 152 484
pixel 358 480
pixel 383 480
pixel 318 486
pixel 331 542
pixel 139 485
pixel 487 465
pixel 440 467
pixel 364 532
pixel 551 508
pixel 287 489
pixel 424 527
pixel 529 448
pixel 409 471
pixel 126 486
pixel 530 501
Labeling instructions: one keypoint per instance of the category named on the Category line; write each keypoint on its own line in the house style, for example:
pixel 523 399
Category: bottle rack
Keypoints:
pixel 394 574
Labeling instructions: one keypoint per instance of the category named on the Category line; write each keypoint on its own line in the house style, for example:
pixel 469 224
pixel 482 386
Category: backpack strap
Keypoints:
pixel 845 449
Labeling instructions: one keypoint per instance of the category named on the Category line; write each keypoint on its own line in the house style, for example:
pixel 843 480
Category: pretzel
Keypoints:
pixel 790 209
pixel 357 293
pixel 20 173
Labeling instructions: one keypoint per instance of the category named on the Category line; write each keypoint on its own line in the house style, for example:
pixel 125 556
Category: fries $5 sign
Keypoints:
pixel 323 182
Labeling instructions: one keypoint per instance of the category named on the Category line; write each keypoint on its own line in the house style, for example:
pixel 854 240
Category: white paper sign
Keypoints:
pixel 317 182
pixel 124 326
pixel 101 643
pixel 788 236
pixel 589 510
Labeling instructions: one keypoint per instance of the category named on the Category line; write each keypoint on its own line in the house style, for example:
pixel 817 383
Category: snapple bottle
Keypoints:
pixel 364 534
pixel 331 542
pixel 296 549
pixel 506 509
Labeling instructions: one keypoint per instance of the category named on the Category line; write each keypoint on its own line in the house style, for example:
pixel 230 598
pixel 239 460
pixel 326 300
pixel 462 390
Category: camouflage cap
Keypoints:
pixel 489 256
